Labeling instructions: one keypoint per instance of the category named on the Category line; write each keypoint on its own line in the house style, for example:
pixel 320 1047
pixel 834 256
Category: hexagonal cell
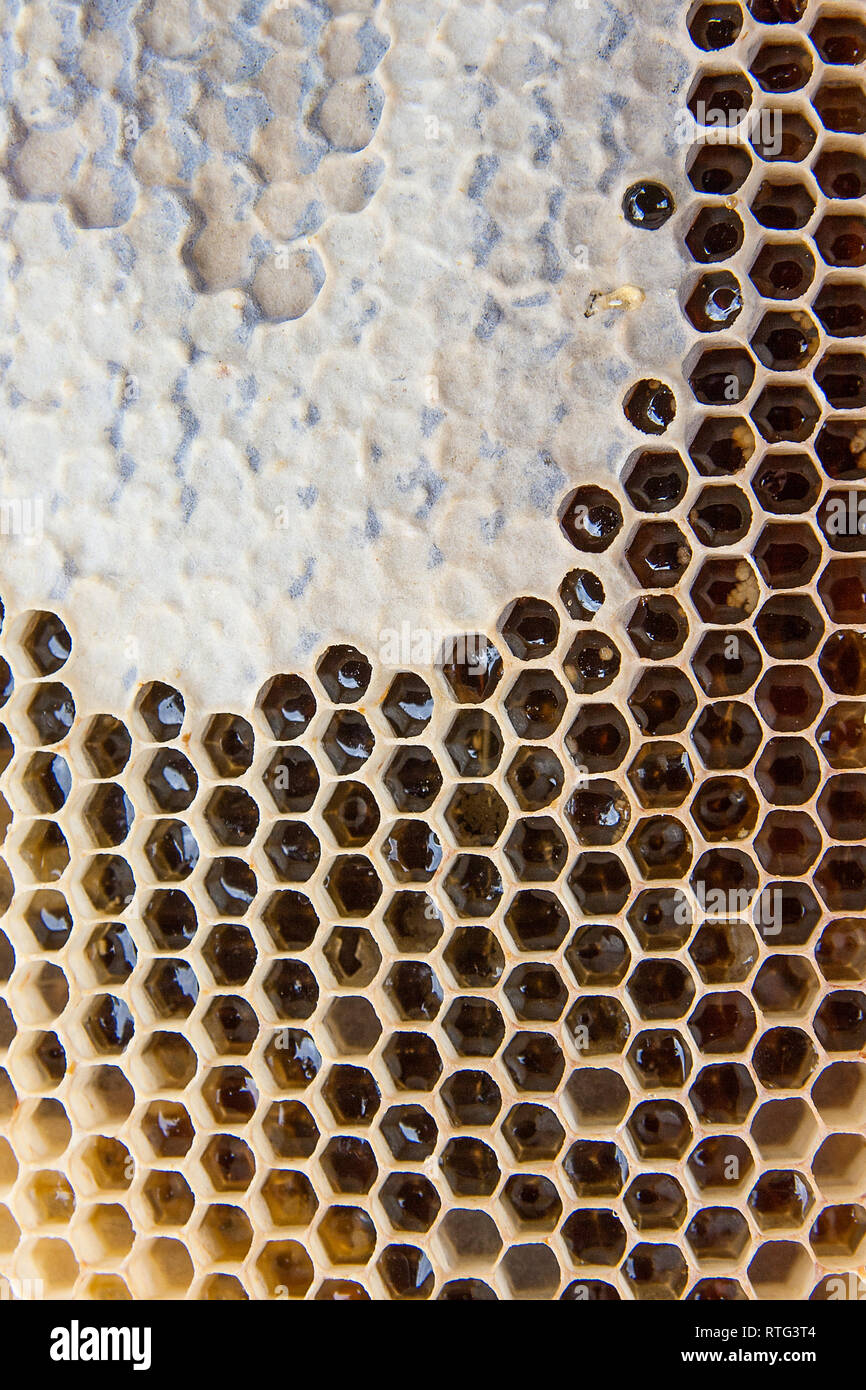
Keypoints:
pixel 45 851
pixel 474 743
pixel 581 594
pixel 661 847
pixel 660 1129
pixel 783 137
pixel 344 673
pixel 291 988
pixel 475 1027
pixel 413 778
pixel 414 921
pixel 472 668
pixel 726 735
pixel 471 1098
pixel 658 627
pixel 161 709
pixel 662 702
pixel 109 814
pixel 108 883
pixel 408 704
pixel 789 626
pixel 171 850
pixel 349 1164
pixel 232 815
pixel 724 952
pixel 599 883
pixel 533 1201
pixel 353 1024
pixel 725 591
pixel 714 304
pixel 353 884
pixel 715 235
pixel 661 989
pixel 51 711
pixel 351 814
pixel 841 735
pixel 411 1202
pixel 474 885
pixel 789 698
pixel 841 950
pixel 842 378
pixel 292 779
pixel 290 1198
pixel 841 172
pixel 718 169
pixel 535 704
pixel 650 406
pixel 786 483
pixel 842 590
pixel 533 1133
pixel 107 745
pixel 476 815
pixel 782 207
pixel 598 814
pixel 598 740
pixel 353 955
pixel 785 414
pixel 723 1022
pixel 841 240
pixel 413 1061
pixel 288 705
pixel 172 988
pixel 231 954
pixel 348 741
pixel 293 1058
pixel 406 1272
pixel 720 1163
pixel 839 1165
pixel 839 447
pixel 536 849
pixel 658 554
pixel 594 1237
pixel 535 776
pixel 470 1167
pixel 717 1233
pixel 231 1024
pixel 290 1129
pixel 722 376
pixel 169 1197
pixel 715 26
pixel 720 515
pixel 840 1021
pixel 47 780
pixel 591 663
pixel 352 1094
pixel 536 920
pixel 660 1058
pixel 414 990
pixel 231 884
pixel 530 627
pixel 722 446
pixel 536 993
pixel 229 742
pixel 726 663
pixel 591 518
pixel 841 106
pixel 598 955
pixel 410 1132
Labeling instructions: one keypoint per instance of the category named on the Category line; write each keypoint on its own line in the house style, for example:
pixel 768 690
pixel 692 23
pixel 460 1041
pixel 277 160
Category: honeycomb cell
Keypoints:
pixel 291 988
pixel 536 777
pixel 726 663
pixel 171 780
pixel 840 518
pixel 534 1061
pixel 536 850
pixel 661 847
pixel 533 1133
pixel 231 954
pixel 782 137
pixel 598 955
pixel 661 989
pixel 726 735
pixel 719 170
pixel 660 1058
pixel 598 739
pixel 414 990
pixel 723 1093
pixel 408 705
pixel 841 950
pixel 172 988
pixel 414 921
pixel 290 1198
pixel 229 742
pixel 599 883
pixel 47 643
pixel 353 955
pixel 474 958
pixel 536 993
pixel 472 668
pixel 292 779
pixel 231 1024
pixel 714 304
pixel 786 484
pixel 474 743
pixel 285 1269
pixel 108 883
pixel 351 814
pixel 838 1231
pixel 842 378
pixel 717 1233
pixel 660 1129
pixel 45 851
pixel 715 26
pixel 722 446
pixel 232 815
pixel 786 414
pixel 647 205
pixel 293 1059
pixel 345 674
pixel 169 1197
pixel 591 519
pixel 594 1237
pixel 715 235
pixel 655 1272
pixel 161 709
pixel 348 741
pixel 474 885
pixel 353 1024
pixel 581 594
pixel 471 1098
pixel 841 107
pixel 475 1027
pixel 290 1129
pixel 658 627
pixel 841 735
pixel 723 1022
pixel 410 1201
pixel 720 1163
pixel 842 590
pixel 413 778
pixel 789 626
pixel 231 884
pixel 413 1061
pixel 596 1168
pixel 349 1164
pixel 533 1202
pixel 168 1129
pixel 591 663
pixel 352 1095
pixel 410 1132
pixel 47 781
pixel 406 1272
pixel 662 702
pixel 839 447
pixel 536 920
pixel 598 814
pixel 655 481
pixel 782 207
pixel 722 376
pixel 535 704
pixel 789 698
pixel 109 814
pixel 470 1167
pixel 530 627
pixel 840 1021
pixel 353 884
pixel 658 555
pixel 51 711
pixel 841 240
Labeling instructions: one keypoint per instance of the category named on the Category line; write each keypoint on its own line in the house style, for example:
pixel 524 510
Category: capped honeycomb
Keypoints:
pixel 537 972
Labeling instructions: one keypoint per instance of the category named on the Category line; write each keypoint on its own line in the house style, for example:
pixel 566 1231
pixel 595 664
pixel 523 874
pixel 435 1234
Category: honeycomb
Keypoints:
pixel 538 973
